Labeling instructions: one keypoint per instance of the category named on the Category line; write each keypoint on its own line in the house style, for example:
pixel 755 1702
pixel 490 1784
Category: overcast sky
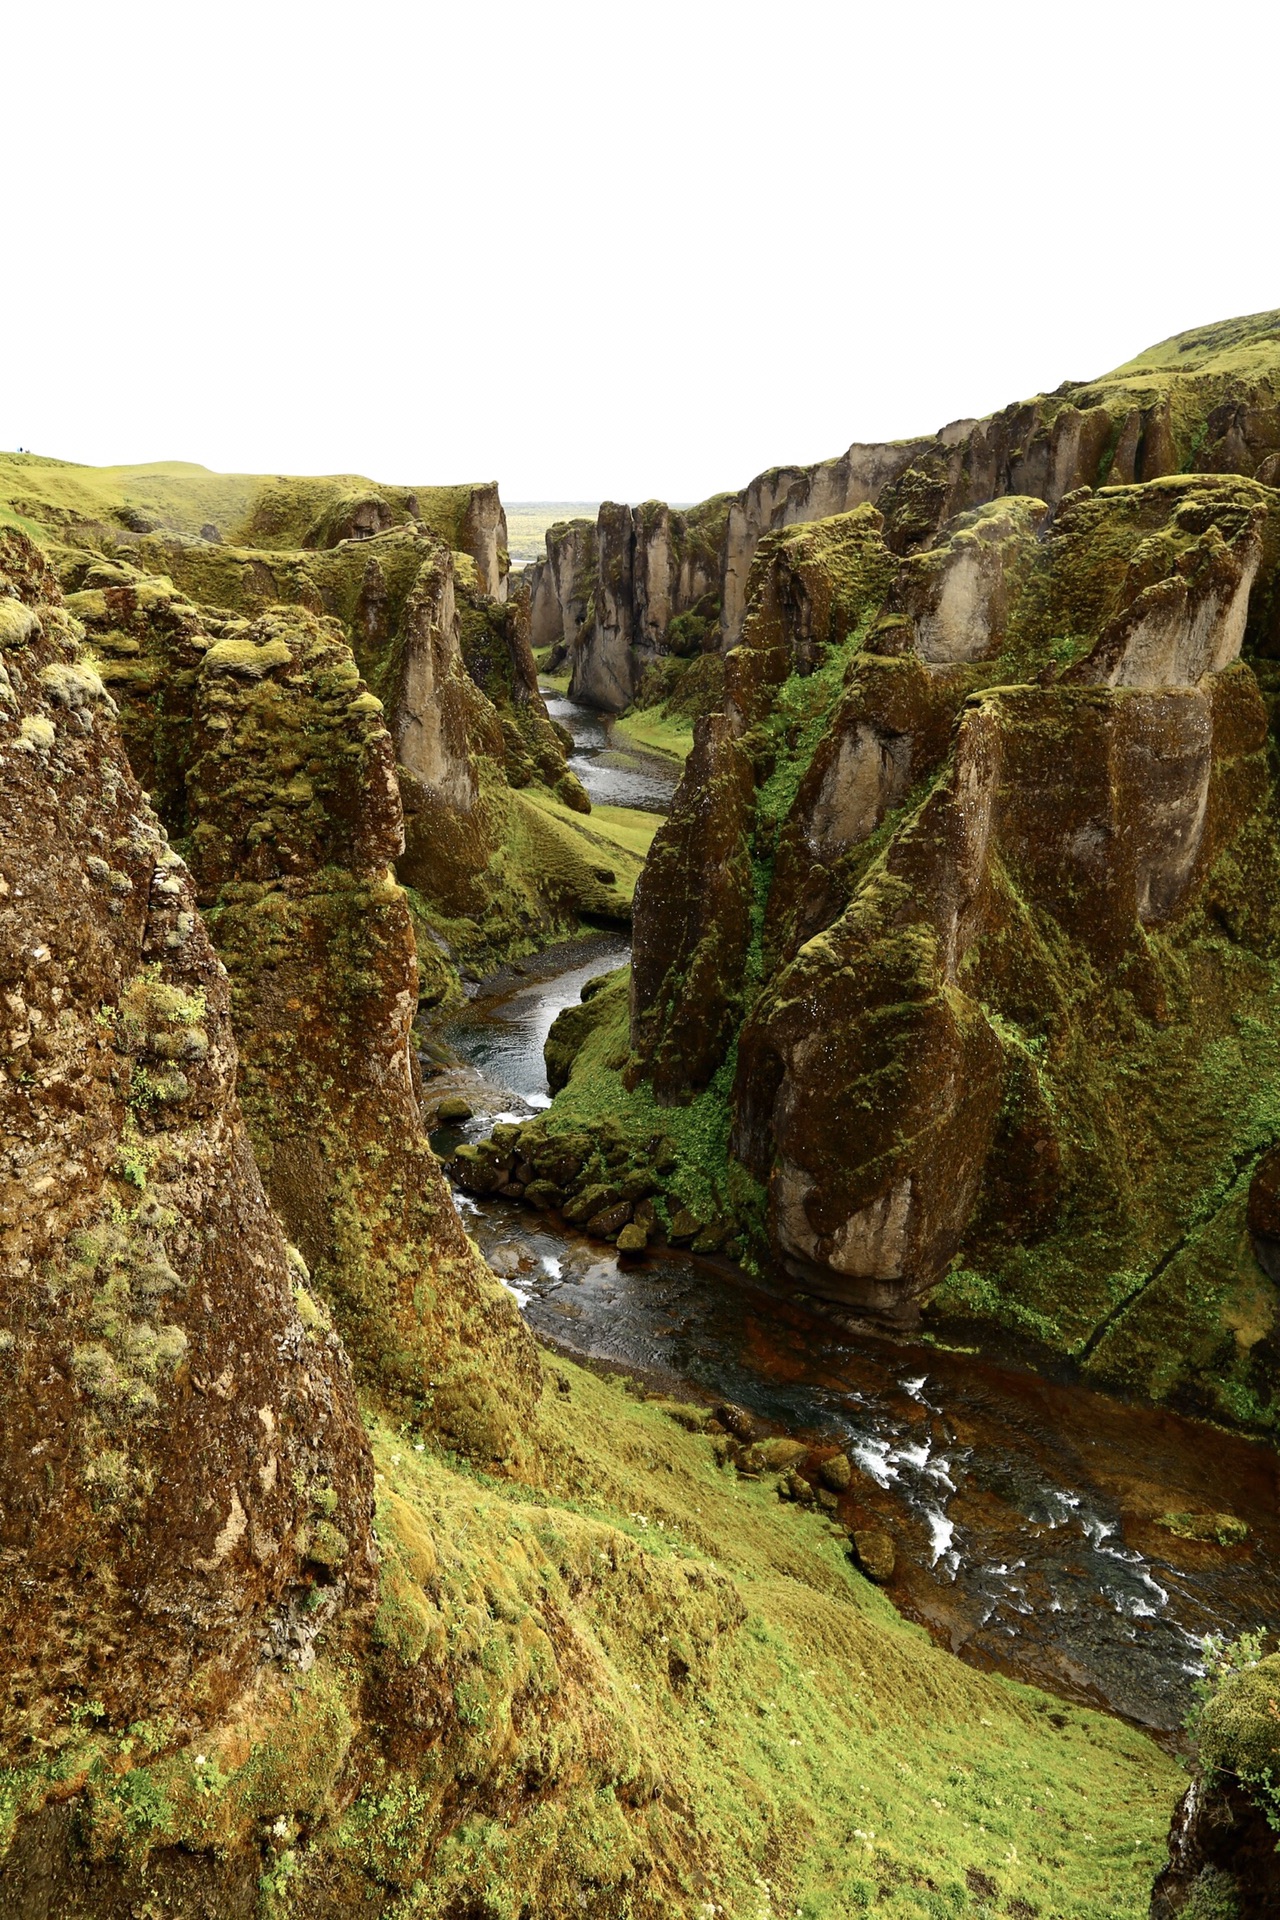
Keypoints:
pixel 616 249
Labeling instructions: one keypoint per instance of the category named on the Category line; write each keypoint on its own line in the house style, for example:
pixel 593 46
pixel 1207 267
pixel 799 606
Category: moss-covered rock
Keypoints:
pixel 968 892
pixel 169 1420
pixel 1224 1841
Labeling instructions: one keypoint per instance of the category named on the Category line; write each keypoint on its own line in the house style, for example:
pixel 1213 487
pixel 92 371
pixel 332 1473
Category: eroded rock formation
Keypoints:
pixel 183 1463
pixel 271 757
pixel 653 581
pixel 950 885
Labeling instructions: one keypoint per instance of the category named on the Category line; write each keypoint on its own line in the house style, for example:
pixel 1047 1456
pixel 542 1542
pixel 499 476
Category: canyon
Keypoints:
pixel 363 1549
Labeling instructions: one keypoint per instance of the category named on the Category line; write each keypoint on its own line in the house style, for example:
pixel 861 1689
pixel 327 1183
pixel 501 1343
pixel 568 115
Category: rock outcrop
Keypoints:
pixel 186 1487
pixel 652 579
pixel 1223 1856
pixel 272 761
pixel 491 872
pixel 970 889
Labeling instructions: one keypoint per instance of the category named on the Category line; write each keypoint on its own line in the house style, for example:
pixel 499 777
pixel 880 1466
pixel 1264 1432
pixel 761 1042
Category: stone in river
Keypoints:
pixel 606 1224
pixel 874 1552
pixel 836 1472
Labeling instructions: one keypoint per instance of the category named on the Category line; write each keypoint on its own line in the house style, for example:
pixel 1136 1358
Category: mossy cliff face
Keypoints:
pixel 492 874
pixel 184 1471
pixel 611 599
pixel 282 777
pixel 694 911
pixel 1222 1845
pixel 470 725
pixel 417 579
pixel 651 581
pixel 610 1679
pixel 964 920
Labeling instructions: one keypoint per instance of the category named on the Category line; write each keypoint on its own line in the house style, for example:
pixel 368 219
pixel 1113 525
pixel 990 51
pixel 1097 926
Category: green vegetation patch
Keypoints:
pixel 662 1687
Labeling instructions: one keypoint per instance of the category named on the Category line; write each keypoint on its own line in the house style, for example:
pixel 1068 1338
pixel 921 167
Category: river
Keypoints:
pixel 614 772
pixel 1026 1513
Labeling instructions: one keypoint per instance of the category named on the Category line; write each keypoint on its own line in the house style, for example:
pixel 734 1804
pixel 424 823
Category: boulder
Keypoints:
pixel 874 1552
pixel 737 1421
pixel 609 1221
pixel 836 1472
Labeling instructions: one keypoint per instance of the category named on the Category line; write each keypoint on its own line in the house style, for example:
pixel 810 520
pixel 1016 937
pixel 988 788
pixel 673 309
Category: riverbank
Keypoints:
pixel 1046 1531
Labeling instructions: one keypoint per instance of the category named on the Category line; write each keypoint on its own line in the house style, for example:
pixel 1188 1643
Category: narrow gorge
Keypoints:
pixel 640 1195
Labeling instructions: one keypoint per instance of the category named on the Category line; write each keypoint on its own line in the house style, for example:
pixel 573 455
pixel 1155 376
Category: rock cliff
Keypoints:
pixel 270 759
pixel 186 1486
pixel 959 945
pixel 493 854
pixel 655 581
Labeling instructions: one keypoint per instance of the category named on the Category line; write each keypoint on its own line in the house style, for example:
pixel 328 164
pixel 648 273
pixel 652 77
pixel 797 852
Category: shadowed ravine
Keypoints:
pixel 1026 1513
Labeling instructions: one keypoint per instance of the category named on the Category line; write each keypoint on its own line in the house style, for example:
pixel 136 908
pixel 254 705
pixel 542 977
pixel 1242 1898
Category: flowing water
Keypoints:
pixel 614 773
pixel 1026 1513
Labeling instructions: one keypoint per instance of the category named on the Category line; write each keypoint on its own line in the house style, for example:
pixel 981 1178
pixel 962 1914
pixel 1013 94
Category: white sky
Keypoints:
pixel 615 249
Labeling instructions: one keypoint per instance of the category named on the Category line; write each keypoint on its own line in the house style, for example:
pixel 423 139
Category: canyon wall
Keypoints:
pixel 182 1460
pixel 281 1635
pixel 961 934
pixel 270 759
pixel 1207 401
pixel 495 859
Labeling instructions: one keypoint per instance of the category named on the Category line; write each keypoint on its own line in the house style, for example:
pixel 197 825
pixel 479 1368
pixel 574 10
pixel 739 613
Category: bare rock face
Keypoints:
pixel 439 724
pixel 562 602
pixel 785 496
pixel 1183 625
pixel 184 1465
pixel 624 587
pixel 483 534
pixel 958 594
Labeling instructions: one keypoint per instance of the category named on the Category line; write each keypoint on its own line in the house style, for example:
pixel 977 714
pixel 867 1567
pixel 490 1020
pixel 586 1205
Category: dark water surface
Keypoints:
pixel 1026 1513
pixel 614 773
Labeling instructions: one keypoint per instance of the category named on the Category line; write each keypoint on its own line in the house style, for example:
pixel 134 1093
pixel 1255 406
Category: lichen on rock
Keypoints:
pixel 165 1420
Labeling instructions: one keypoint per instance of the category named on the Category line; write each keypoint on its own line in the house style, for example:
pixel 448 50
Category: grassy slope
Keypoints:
pixel 834 1758
pixel 658 731
pixel 722 1718
pixel 49 498
pixel 611 838
pixel 1247 346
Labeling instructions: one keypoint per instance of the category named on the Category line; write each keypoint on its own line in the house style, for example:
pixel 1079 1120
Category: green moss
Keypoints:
pixel 662 1688
pixel 62 501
